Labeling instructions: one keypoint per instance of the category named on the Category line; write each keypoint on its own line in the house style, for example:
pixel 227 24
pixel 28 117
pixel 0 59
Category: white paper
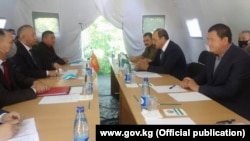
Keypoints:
pixel 73 71
pixel 169 89
pixel 76 90
pixel 132 85
pixel 151 114
pixel 59 99
pixel 27 131
pixel 171 121
pixel 189 96
pixel 85 97
pixel 77 64
pixel 143 74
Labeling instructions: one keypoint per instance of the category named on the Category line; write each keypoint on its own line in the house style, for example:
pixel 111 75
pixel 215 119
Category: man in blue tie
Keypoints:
pixel 169 59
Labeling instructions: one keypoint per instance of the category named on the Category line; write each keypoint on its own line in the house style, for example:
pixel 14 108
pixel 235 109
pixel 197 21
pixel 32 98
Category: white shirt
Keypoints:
pixel 1 117
pixel 165 46
pixel 1 67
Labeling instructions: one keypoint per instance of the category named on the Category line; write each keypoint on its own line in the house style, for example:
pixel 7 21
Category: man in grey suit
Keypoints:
pixel 226 76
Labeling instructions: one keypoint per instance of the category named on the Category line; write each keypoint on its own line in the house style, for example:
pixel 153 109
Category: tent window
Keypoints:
pixel 194 28
pixel 2 22
pixel 152 22
pixel 46 21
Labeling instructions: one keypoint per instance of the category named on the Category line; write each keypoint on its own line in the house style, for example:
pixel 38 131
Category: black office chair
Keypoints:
pixel 195 68
pixel 203 57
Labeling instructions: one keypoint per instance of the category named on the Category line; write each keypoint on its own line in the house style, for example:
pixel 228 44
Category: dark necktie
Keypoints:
pixel 31 54
pixel 161 54
pixel 6 74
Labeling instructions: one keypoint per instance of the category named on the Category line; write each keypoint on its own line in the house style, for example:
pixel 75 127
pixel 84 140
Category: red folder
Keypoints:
pixel 56 91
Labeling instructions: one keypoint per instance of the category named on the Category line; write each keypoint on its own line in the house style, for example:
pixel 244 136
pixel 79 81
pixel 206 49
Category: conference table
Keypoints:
pixel 201 112
pixel 54 122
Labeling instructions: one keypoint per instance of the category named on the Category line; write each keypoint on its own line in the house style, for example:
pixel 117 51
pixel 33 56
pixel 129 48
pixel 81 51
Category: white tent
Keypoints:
pixel 127 15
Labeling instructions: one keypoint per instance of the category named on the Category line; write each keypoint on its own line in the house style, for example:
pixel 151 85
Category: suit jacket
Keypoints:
pixel 229 84
pixel 172 62
pixel 48 56
pixel 23 62
pixel 20 87
pixel 2 111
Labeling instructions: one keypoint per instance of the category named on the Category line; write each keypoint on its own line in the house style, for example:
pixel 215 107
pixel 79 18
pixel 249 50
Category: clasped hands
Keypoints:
pixel 189 83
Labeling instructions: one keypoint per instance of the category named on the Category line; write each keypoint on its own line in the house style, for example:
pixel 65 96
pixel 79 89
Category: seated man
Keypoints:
pixel 150 50
pixel 244 40
pixel 14 86
pixel 226 76
pixel 169 59
pixel 25 60
pixel 47 54
pixel 9 124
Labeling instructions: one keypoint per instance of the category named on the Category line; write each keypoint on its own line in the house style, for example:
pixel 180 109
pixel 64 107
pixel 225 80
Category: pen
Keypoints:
pixel 170 103
pixel 89 105
pixel 229 121
pixel 136 98
pixel 171 86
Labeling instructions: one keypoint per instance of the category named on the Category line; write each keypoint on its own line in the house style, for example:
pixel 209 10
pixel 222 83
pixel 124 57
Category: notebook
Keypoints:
pixel 56 91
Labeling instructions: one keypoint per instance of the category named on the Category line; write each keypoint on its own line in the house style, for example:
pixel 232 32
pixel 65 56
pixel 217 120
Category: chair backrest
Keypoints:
pixel 203 57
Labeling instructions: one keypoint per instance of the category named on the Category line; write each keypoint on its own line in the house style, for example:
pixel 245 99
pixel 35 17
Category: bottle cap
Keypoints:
pixel 145 79
pixel 79 108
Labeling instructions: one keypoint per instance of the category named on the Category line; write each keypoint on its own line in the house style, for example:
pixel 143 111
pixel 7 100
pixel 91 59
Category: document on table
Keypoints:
pixel 169 89
pixel 73 71
pixel 27 131
pixel 143 74
pixel 59 99
pixel 189 96
pixel 76 90
pixel 170 121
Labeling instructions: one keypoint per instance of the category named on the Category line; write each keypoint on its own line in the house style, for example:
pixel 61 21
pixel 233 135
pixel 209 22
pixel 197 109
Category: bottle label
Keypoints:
pixel 81 138
pixel 88 88
pixel 127 78
pixel 144 101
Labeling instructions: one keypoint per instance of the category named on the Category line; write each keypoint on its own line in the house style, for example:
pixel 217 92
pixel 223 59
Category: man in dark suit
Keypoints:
pixel 169 59
pixel 9 124
pixel 14 86
pixel 25 60
pixel 226 76
pixel 49 59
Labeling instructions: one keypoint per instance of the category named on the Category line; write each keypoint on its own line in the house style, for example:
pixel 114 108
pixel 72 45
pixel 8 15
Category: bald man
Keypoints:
pixel 244 40
pixel 25 59
pixel 14 86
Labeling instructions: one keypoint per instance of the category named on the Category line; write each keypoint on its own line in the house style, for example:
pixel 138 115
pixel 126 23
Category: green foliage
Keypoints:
pixel 43 24
pixel 150 23
pixel 102 37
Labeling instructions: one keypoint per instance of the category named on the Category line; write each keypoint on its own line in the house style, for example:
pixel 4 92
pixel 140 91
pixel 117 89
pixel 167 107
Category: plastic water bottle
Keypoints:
pixel 88 89
pixel 127 74
pixel 145 93
pixel 81 128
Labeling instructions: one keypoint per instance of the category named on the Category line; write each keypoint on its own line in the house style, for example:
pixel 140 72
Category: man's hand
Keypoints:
pixel 66 60
pixel 142 64
pixel 53 73
pixel 40 87
pixel 7 131
pixel 12 117
pixel 58 66
pixel 189 83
